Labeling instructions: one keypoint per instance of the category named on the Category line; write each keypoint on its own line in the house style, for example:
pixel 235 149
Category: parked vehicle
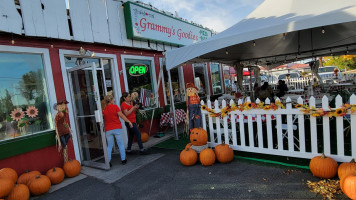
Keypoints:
pixel 291 75
pixel 327 72
pixel 217 88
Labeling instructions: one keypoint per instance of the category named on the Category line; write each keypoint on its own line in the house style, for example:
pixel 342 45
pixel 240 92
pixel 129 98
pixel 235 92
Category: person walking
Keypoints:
pixel 129 111
pixel 113 127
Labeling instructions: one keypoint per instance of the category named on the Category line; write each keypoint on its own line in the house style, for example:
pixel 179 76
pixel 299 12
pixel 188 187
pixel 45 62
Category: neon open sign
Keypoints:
pixel 138 69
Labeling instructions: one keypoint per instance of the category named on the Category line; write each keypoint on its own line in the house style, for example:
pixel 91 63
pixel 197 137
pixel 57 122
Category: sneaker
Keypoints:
pixel 129 152
pixel 124 161
pixel 110 164
pixel 144 152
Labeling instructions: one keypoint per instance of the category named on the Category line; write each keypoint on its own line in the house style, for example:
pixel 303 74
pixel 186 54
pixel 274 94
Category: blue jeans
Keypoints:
pixel 117 133
pixel 134 131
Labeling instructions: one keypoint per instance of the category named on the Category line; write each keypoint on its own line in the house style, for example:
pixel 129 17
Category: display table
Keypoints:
pixel 167 118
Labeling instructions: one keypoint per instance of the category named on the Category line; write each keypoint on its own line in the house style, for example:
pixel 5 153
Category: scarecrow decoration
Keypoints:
pixel 193 107
pixel 63 131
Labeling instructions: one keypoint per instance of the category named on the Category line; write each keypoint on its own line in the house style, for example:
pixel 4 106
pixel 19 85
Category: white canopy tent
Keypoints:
pixel 278 31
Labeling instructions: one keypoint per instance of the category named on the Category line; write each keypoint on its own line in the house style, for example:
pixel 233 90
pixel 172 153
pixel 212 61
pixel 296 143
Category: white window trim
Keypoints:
pixel 211 75
pixel 47 69
pixel 153 67
pixel 117 90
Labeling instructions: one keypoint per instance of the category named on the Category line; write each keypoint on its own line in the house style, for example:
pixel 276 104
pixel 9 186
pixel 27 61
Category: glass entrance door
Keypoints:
pixel 88 115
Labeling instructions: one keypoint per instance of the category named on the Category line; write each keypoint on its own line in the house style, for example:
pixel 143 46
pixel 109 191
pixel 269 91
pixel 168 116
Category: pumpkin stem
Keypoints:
pixel 323 156
pixel 352 161
pixel 54 169
pixel 187 149
pixel 37 177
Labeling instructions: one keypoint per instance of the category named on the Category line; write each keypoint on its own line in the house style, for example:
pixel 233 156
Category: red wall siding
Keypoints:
pixel 46 158
pixel 188 73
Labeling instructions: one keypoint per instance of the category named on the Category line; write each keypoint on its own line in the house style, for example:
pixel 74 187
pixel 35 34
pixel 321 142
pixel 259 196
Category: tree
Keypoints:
pixel 343 62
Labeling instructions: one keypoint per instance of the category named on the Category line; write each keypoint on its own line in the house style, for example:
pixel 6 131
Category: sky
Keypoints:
pixel 217 15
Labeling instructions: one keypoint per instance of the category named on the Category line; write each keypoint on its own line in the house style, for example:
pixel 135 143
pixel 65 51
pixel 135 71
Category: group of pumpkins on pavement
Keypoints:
pixel 320 166
pixel 14 187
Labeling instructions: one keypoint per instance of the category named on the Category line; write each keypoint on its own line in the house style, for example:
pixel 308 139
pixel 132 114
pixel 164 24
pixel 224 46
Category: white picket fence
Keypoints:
pixel 285 132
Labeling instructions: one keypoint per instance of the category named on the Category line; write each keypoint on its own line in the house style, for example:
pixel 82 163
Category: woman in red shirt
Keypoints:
pixel 113 127
pixel 129 111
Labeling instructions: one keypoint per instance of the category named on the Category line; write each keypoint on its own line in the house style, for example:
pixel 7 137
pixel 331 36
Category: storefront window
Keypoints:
pixel 227 81
pixel 140 80
pixel 24 102
pixel 177 85
pixel 200 79
pixel 216 78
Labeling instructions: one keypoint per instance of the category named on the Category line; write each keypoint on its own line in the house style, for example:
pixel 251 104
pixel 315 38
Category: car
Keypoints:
pixel 291 75
pixel 327 72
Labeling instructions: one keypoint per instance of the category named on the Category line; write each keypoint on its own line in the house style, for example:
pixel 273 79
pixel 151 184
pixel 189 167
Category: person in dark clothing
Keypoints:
pixel 282 88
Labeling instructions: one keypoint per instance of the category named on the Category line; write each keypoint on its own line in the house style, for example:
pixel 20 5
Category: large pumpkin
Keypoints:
pixel 27 176
pixel 6 186
pixel 188 157
pixel 39 185
pixel 224 153
pixel 56 175
pixel 19 192
pixel 207 157
pixel 198 137
pixel 72 168
pixel 144 137
pixel 349 186
pixel 323 167
pixel 8 173
pixel 347 169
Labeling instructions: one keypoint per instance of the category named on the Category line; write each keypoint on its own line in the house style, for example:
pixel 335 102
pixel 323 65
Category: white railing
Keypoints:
pixel 284 132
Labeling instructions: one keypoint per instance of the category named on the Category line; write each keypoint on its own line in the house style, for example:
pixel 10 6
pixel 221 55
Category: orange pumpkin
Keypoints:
pixel 224 153
pixel 6 186
pixel 144 137
pixel 56 175
pixel 39 185
pixel 188 157
pixel 72 168
pixel 8 173
pixel 346 169
pixel 349 186
pixel 198 137
pixel 207 157
pixel 188 145
pixel 19 192
pixel 323 167
pixel 27 176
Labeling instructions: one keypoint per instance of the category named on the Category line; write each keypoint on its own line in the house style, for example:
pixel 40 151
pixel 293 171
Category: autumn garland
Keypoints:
pixel 241 107
pixel 278 104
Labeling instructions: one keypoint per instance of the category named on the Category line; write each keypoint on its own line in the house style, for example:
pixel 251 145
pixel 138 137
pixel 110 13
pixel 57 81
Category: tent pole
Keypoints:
pixel 172 105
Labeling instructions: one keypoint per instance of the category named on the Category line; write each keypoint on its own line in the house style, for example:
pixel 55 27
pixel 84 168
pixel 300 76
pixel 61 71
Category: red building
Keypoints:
pixel 81 55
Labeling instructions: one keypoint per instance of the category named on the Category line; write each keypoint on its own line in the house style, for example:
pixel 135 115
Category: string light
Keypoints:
pixel 331 53
pixel 284 36
pixel 105 49
pixel 347 50
pixel 12 39
pixel 124 51
pixel 322 30
pixel 254 43
pixel 52 46
pixel 154 55
pixel 226 52
pixel 141 52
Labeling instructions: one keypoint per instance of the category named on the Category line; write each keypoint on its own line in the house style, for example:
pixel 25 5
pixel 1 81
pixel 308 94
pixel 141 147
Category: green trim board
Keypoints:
pixel 160 27
pixel 26 144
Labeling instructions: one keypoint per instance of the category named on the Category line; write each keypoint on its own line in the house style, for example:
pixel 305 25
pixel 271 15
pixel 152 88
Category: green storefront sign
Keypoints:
pixel 138 69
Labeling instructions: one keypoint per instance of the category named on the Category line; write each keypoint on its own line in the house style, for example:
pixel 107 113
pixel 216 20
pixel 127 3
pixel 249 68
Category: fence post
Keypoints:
pixel 353 127
pixel 242 126
pixel 203 116
pixel 326 127
pixel 211 126
pixel 226 131
pixel 259 128
pixel 339 128
pixel 313 128
pixel 218 129
pixel 233 125
pixel 290 124
pixel 279 128
pixel 301 128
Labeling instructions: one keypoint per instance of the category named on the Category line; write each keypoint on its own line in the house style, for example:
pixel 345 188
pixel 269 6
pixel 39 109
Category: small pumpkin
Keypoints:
pixel 27 176
pixel 39 185
pixel 19 192
pixel 346 168
pixel 224 153
pixel 349 186
pixel 207 157
pixel 188 157
pixel 323 167
pixel 8 173
pixel 72 168
pixel 188 145
pixel 144 137
pixel 56 175
pixel 198 136
pixel 6 186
